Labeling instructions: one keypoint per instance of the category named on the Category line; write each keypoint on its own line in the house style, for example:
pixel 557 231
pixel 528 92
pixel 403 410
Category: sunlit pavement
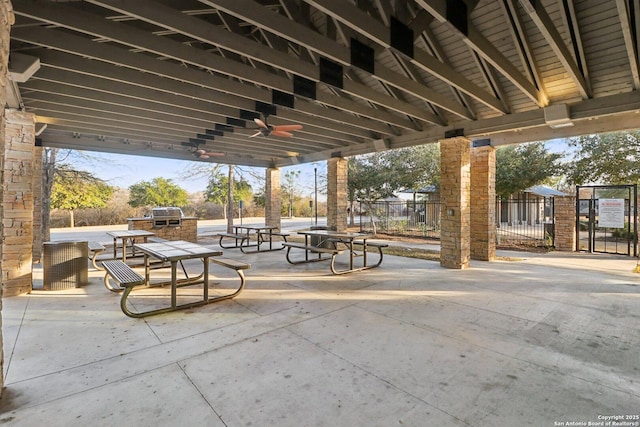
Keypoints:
pixel 542 339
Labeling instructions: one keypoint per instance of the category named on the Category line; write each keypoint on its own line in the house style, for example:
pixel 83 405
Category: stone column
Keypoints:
pixel 455 211
pixel 17 200
pixel 273 203
pixel 337 203
pixel 565 224
pixel 7 19
pixel 483 203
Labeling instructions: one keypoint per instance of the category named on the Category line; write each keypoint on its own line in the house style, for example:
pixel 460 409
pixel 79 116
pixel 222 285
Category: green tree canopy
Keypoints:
pixel 217 190
pixel 609 158
pixel 290 189
pixel 74 189
pixel 379 175
pixel 519 167
pixel 157 192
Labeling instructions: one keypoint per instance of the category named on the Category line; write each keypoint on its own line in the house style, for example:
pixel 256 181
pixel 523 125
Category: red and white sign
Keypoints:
pixel 611 213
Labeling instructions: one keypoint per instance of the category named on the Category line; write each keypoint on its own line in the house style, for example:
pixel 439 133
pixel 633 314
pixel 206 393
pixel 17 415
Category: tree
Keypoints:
pixel 290 188
pixel 49 158
pixel 54 160
pixel 73 189
pixel 218 190
pixel 376 176
pixel 611 158
pixel 157 192
pixel 519 167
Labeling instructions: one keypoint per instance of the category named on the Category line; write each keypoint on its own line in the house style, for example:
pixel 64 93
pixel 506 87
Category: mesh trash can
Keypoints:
pixel 319 240
pixel 64 265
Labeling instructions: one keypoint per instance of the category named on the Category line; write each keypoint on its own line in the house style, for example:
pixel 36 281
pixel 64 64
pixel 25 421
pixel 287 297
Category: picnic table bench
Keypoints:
pixel 95 249
pixel 236 237
pixel 236 265
pixel 327 241
pixel 263 235
pixel 378 245
pixel 313 249
pixel 122 274
pixel 127 279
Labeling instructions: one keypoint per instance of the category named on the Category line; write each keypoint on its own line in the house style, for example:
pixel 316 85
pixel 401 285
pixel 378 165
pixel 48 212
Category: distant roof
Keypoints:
pixel 544 191
pixel 538 190
pixel 423 190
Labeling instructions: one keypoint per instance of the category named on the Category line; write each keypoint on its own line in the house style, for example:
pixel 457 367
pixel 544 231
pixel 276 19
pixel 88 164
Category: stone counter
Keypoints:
pixel 187 231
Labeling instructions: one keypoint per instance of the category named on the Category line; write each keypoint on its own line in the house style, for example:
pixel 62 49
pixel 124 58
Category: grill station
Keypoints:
pixel 166 217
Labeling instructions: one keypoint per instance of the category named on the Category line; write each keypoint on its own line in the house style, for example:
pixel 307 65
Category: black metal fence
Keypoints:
pixel 526 220
pixel 402 218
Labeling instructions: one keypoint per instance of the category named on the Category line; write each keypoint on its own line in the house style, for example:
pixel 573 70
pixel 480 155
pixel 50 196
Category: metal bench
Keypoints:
pixel 127 279
pixel 237 237
pixel 314 249
pixel 274 233
pixel 265 238
pixel 378 245
pixel 122 274
pixel 236 265
pixel 95 249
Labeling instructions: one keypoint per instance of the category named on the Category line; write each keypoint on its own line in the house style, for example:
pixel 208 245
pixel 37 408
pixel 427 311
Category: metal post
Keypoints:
pixel 635 220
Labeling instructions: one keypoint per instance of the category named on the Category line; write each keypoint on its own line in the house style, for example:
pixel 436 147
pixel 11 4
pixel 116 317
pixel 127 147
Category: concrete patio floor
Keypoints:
pixel 543 340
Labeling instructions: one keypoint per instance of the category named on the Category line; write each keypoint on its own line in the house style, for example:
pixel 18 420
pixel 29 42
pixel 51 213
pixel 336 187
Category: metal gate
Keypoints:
pixel 607 219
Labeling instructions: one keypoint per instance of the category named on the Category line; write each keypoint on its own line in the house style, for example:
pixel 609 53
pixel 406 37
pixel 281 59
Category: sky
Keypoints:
pixel 124 170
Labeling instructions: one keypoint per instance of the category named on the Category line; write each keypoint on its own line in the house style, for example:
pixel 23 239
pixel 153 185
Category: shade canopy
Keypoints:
pixel 179 78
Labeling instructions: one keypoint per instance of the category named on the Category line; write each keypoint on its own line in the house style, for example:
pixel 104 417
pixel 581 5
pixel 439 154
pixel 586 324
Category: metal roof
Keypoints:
pixel 544 191
pixel 167 77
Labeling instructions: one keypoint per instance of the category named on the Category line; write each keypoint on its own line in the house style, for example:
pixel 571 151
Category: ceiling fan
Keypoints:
pixel 265 129
pixel 203 154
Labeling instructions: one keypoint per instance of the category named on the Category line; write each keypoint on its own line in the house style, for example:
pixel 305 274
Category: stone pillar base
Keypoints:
pixel 337 203
pixel 273 204
pixel 483 203
pixel 17 201
pixel 455 183
pixel 565 227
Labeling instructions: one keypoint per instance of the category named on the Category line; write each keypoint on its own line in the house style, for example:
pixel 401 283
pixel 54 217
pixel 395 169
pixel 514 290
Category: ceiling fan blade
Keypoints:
pixel 255 134
pixel 260 123
pixel 203 154
pixel 287 127
pixel 281 133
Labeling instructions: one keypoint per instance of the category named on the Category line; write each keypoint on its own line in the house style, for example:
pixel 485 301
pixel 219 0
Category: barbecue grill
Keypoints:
pixel 166 217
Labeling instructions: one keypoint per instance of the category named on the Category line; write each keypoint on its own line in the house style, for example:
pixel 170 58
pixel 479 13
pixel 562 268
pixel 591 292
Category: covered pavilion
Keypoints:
pixel 183 78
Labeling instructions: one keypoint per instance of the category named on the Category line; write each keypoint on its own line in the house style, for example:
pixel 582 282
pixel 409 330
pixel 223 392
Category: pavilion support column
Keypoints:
pixel 337 203
pixel 273 202
pixel 455 197
pixel 7 19
pixel 565 223
pixel 17 201
pixel 483 203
